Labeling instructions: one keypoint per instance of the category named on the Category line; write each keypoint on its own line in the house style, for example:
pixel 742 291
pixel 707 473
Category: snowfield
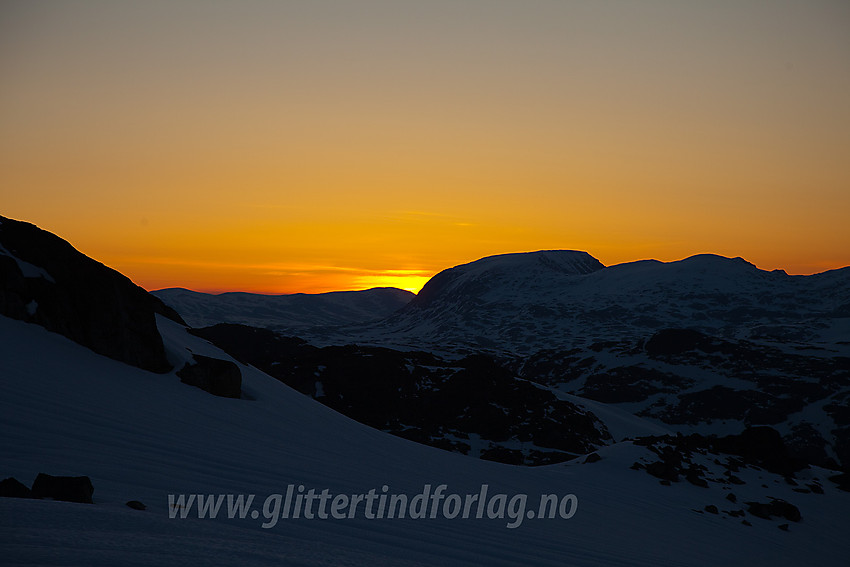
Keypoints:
pixel 65 410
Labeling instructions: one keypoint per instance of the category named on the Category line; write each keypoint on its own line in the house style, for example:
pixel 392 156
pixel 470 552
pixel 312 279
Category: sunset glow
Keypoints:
pixel 282 147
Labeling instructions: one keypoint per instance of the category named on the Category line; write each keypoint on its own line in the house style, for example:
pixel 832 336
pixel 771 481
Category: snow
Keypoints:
pixel 620 423
pixel 27 269
pixel 142 436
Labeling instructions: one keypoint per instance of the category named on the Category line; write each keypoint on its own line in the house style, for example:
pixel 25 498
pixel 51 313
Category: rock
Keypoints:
pixel 65 488
pixel 777 507
pixel 592 458
pixel 213 375
pixel 12 488
pixel 783 527
pixel 731 498
pixel 785 510
pixel 44 280
pixel 674 341
pixel 136 505
pixel 711 509
pixel 694 477
pixel 663 470
pixel 734 479
pixel 759 510
pixel 842 481
pixel 763 446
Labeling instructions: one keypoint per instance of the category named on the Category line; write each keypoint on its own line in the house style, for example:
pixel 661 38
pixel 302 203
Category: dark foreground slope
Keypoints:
pixel 44 280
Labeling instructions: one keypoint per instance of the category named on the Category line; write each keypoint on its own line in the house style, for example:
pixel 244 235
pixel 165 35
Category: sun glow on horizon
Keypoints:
pixel 408 280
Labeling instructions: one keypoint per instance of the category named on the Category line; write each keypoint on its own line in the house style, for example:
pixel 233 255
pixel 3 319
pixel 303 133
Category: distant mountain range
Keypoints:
pixel 520 304
pixel 524 303
pixel 285 313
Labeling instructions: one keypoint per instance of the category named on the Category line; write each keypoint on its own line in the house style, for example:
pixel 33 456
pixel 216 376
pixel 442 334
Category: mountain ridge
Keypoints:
pixel 285 312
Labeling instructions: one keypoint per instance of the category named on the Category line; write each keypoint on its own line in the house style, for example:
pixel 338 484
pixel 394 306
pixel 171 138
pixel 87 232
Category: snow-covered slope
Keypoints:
pixel 285 313
pixel 142 436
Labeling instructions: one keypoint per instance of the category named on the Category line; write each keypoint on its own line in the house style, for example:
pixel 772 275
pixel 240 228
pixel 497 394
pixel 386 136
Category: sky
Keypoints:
pixel 310 146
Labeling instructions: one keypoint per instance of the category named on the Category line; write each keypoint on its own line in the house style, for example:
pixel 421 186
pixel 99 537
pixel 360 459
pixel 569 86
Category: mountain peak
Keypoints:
pixel 572 262
pixel 504 272
pixel 715 260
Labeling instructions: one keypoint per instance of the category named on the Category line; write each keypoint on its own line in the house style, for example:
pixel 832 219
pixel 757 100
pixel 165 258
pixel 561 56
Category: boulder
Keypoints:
pixel 65 488
pixel 213 375
pixel 13 488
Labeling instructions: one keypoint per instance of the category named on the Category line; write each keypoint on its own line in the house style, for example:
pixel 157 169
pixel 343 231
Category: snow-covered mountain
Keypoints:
pixel 285 313
pixel 524 303
pixel 520 304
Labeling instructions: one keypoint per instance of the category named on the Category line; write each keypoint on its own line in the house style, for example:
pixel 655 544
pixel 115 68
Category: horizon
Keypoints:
pixel 333 146
pixel 416 290
pixel 413 283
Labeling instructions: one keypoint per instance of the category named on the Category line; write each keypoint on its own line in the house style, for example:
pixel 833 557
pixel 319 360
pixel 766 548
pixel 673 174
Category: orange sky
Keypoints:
pixel 312 146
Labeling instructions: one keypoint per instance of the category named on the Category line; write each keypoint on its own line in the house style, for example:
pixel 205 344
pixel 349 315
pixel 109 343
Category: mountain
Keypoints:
pixel 490 279
pixel 285 313
pixel 523 303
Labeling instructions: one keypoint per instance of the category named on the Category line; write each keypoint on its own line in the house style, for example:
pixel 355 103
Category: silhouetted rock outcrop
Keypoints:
pixel 44 280
pixel 66 488
pixel 213 375
pixel 13 488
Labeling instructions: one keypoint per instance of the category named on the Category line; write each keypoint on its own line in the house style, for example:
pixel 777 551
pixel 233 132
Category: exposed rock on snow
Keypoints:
pixel 66 488
pixel 213 375
pixel 13 488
